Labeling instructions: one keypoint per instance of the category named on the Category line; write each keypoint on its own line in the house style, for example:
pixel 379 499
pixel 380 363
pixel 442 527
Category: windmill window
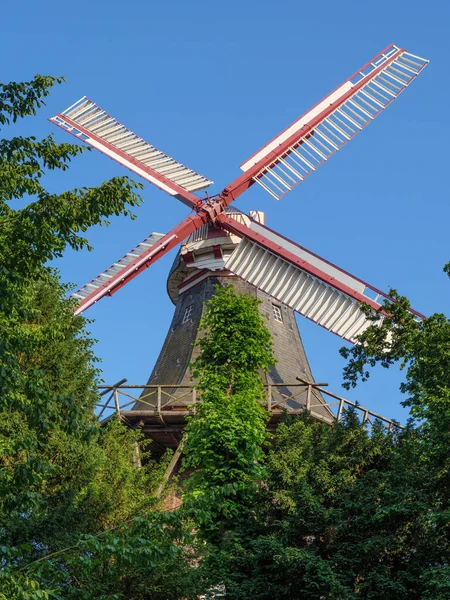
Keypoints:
pixel 276 311
pixel 187 313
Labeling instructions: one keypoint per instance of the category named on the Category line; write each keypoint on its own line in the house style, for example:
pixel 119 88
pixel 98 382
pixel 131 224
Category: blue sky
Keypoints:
pixel 211 82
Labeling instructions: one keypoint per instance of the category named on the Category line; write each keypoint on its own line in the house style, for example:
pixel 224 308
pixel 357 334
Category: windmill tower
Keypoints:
pixel 220 242
pixel 197 269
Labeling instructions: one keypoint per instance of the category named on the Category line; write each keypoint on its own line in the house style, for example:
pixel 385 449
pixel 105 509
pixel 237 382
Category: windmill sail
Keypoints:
pixel 133 263
pixel 313 138
pixel 98 287
pixel 302 280
pixel 90 123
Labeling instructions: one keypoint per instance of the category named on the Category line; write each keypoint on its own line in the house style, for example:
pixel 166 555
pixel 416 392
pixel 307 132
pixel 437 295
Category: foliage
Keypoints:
pixel 69 492
pixel 422 348
pixel 327 512
pixel 143 558
pixel 50 222
pixel 43 345
pixel 341 515
pixel 225 437
pixel 344 514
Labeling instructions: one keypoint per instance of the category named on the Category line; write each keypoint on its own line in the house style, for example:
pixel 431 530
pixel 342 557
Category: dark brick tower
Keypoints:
pixel 197 269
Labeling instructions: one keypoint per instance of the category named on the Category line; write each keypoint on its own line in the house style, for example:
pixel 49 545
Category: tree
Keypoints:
pixel 225 438
pixel 422 348
pixel 36 324
pixel 323 513
pixel 344 514
pixel 78 519
pixel 341 515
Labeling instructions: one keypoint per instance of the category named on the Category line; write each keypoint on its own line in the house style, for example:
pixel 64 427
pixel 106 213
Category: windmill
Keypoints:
pixel 294 278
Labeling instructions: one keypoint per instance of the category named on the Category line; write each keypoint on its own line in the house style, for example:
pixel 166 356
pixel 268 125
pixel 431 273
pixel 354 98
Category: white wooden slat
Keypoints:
pixel 103 122
pixel 355 327
pixel 138 152
pixel 128 144
pixel 190 180
pixel 306 302
pixel 107 129
pixel 349 111
pixel 256 263
pixel 371 98
pixel 145 154
pixel 384 79
pixel 265 187
pixel 310 166
pixel 191 187
pixel 79 110
pixel 119 135
pixel 321 303
pixel 401 64
pixel 283 285
pixel 339 116
pixel 334 304
pixel 270 275
pixel 169 169
pixel 302 285
pixel 339 318
pixel 89 116
pixel 327 139
pixel 156 160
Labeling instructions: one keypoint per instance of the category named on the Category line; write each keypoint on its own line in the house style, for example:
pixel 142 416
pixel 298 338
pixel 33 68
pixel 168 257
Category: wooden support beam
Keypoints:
pixel 170 469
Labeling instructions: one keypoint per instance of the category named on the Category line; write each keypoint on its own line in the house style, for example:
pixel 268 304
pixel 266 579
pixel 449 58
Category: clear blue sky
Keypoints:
pixel 209 83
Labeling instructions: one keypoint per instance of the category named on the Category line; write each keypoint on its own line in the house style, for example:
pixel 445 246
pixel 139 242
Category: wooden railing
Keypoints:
pixel 161 400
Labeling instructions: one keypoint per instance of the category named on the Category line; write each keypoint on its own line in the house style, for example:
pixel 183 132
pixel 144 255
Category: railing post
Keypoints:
pixel 116 401
pixel 194 396
pixel 105 406
pixel 269 398
pixel 366 415
pixel 341 406
pixel 158 408
pixel 308 397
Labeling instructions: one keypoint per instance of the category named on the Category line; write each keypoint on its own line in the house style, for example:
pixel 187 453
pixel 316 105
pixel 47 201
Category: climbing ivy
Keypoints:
pixel 225 438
